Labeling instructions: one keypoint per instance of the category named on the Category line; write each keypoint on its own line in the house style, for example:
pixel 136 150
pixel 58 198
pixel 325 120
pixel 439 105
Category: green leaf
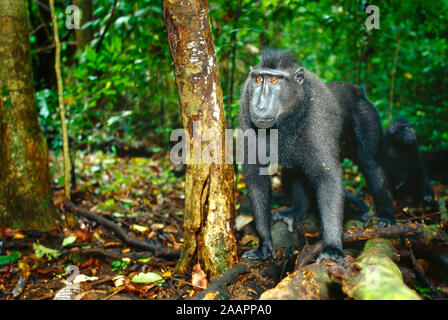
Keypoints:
pixel 40 251
pixel 145 259
pixel 119 265
pixel 13 257
pixel 149 277
pixel 68 240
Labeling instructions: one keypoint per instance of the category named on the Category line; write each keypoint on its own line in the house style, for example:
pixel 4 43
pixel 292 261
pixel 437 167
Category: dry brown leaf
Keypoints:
pixel 199 277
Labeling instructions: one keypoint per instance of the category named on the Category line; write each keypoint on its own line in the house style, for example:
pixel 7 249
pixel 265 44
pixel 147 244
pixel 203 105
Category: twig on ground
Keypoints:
pixel 117 255
pixel 122 234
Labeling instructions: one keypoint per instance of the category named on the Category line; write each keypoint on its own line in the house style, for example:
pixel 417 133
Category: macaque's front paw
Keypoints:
pixel 386 222
pixel 263 252
pixel 331 253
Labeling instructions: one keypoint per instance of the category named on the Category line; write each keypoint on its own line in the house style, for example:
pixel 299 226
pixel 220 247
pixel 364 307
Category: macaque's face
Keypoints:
pixel 273 93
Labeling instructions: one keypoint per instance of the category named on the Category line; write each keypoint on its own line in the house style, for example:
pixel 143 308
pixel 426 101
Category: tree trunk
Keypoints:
pixel 25 193
pixel 209 195
pixel 84 36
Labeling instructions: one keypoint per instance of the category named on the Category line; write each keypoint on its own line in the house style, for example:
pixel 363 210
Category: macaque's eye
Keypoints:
pixel 259 79
pixel 273 79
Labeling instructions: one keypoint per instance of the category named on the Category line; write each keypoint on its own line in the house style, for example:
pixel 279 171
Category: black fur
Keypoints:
pixel 311 117
pixel 304 202
pixel 277 59
pixel 364 144
pixel 404 165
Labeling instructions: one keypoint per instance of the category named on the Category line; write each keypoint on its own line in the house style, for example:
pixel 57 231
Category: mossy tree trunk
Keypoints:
pixel 209 189
pixel 25 193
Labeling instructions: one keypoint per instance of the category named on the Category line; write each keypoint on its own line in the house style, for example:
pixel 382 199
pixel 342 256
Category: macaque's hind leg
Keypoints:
pixel 367 130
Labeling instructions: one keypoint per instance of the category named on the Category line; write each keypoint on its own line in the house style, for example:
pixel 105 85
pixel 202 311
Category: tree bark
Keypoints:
pixel 209 194
pixel 84 36
pixel 25 193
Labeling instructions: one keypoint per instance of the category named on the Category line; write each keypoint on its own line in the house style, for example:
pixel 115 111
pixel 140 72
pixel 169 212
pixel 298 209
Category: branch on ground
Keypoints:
pixel 122 234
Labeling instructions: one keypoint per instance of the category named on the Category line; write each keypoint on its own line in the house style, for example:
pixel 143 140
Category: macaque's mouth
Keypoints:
pixel 264 123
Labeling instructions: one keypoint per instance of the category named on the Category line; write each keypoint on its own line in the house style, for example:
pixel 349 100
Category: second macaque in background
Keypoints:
pixel 405 170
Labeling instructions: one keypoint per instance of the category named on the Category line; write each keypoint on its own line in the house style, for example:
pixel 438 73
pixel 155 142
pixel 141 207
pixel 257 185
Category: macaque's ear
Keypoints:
pixel 299 75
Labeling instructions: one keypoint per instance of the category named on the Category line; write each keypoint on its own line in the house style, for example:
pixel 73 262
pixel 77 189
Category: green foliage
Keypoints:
pixel 40 251
pixel 127 89
pixel 120 265
pixel 426 292
pixel 353 178
pixel 11 258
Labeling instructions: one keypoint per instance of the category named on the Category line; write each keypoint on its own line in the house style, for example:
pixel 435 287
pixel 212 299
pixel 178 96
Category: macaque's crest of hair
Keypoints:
pixel 277 59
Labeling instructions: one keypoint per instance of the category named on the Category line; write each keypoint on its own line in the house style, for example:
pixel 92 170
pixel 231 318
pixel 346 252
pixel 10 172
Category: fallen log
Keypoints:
pixel 309 283
pixel 372 276
pixel 375 276
pixel 423 234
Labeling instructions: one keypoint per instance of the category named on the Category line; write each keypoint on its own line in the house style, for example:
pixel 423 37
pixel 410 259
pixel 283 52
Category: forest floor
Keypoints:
pixel 145 197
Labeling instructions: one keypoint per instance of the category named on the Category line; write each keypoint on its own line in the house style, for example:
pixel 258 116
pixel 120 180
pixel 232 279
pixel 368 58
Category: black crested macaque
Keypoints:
pixel 310 119
pixel 362 135
pixel 404 166
pixel 364 144
pixel 359 113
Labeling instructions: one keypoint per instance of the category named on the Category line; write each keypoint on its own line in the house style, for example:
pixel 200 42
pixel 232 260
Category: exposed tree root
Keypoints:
pixel 249 279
